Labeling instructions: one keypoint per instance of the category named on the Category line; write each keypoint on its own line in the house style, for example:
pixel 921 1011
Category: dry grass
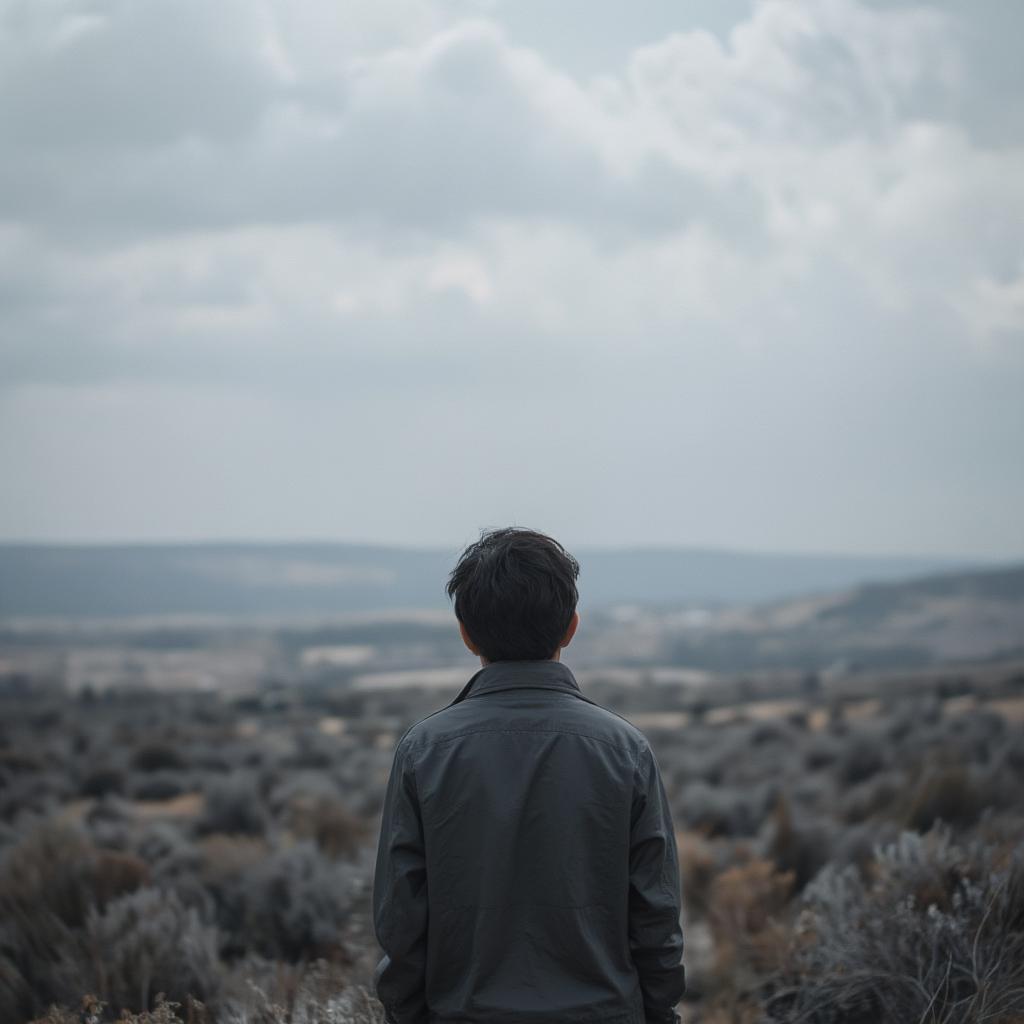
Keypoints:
pixel 93 1011
pixel 1012 709
pixel 697 868
pixel 747 905
pixel 227 856
pixel 330 823
pixel 188 805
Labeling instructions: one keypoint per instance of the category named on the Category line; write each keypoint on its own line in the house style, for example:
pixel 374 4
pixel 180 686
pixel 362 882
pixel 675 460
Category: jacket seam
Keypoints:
pixel 637 789
pixel 526 732
pixel 484 691
pixel 521 903
pixel 573 692
pixel 392 867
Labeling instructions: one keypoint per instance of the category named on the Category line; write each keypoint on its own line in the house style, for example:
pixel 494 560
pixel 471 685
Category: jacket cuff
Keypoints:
pixel 663 1017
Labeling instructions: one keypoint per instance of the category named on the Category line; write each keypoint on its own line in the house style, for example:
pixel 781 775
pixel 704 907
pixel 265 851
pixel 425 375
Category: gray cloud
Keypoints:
pixel 102 76
pixel 765 262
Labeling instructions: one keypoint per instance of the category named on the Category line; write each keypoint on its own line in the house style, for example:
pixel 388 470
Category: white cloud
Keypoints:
pixel 994 308
pixel 271 196
pixel 805 114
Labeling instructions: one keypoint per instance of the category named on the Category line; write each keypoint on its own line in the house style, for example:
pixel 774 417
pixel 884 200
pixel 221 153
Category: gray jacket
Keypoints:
pixel 527 868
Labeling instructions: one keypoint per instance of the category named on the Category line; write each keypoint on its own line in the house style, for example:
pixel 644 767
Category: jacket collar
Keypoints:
pixel 519 675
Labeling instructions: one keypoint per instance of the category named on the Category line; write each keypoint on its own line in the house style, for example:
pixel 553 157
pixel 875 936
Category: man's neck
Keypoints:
pixel 557 656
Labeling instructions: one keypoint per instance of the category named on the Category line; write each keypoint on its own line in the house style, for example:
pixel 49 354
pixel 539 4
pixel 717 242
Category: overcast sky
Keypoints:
pixel 721 273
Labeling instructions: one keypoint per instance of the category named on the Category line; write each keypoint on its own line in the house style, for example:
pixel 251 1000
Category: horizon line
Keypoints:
pixel 625 547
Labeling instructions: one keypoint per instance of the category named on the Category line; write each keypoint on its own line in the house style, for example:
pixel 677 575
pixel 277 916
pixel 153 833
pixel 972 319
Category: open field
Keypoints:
pixel 189 804
pixel 198 842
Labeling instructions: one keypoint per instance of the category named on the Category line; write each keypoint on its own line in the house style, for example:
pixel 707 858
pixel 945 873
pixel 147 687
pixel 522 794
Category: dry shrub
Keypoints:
pixel 92 1011
pixel 117 873
pixel 697 868
pixel 318 992
pixel 294 904
pixel 821 751
pixel 157 757
pixel 947 792
pixel 55 869
pixel 157 787
pixel 233 805
pixel 931 870
pixel 149 942
pixel 50 882
pixel 877 797
pixel 731 1008
pixel 51 870
pixel 935 932
pixel 101 781
pixel 747 902
pixel 15 761
pixel 800 848
pixel 329 822
pixel 225 857
pixel 862 757
pixel 724 810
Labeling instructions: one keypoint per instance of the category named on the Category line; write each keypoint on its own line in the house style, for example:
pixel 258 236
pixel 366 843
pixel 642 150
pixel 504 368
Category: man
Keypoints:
pixel 527 868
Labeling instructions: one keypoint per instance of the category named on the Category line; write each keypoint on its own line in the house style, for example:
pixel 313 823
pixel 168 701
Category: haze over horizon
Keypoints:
pixel 925 558
pixel 743 276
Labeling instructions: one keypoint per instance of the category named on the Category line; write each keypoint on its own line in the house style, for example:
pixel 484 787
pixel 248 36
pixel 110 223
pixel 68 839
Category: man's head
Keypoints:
pixel 515 595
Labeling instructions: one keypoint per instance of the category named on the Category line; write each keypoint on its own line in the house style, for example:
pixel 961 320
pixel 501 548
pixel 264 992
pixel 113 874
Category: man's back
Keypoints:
pixel 527 869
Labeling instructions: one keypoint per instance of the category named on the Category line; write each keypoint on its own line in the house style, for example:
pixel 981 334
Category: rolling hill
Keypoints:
pixel 285 579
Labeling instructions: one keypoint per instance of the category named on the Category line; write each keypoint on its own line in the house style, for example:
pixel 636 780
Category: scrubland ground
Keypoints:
pixel 852 849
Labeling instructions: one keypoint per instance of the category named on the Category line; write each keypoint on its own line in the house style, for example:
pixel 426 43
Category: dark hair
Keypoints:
pixel 515 593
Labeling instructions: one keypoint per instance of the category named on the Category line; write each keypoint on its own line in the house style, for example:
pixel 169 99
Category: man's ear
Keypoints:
pixel 467 640
pixel 571 631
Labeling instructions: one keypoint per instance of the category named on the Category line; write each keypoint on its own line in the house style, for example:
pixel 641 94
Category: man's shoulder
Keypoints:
pixel 581 716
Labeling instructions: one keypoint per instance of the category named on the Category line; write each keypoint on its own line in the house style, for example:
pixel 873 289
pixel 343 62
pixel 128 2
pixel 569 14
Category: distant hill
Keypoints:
pixel 874 604
pixel 269 579
pixel 952 616
pixel 949 617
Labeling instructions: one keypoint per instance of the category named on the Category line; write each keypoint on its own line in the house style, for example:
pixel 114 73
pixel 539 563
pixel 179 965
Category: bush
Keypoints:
pixel 102 781
pixel 50 884
pixel 724 811
pixel 148 942
pixel 318 993
pixel 862 758
pixel 697 869
pixel 158 786
pixel 92 1011
pixel 822 751
pixel 34 794
pixel 948 793
pixel 747 904
pixel 329 822
pixel 881 796
pixel 292 905
pixel 157 757
pixel 795 845
pixel 934 929
pixel 233 805
pixel 174 862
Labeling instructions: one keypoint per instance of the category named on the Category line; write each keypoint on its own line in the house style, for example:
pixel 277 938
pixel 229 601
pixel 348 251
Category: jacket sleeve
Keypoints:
pixel 400 899
pixel 655 899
